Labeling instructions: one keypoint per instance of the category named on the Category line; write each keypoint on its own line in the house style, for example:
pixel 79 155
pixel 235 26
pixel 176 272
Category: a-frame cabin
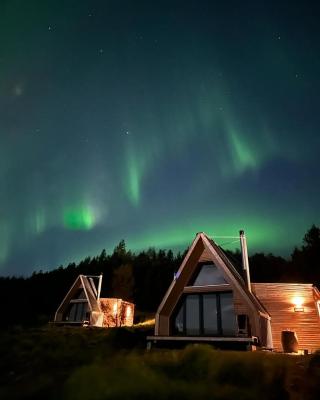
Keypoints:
pixel 209 301
pixel 83 305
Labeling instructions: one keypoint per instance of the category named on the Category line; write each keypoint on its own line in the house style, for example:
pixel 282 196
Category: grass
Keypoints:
pixel 97 364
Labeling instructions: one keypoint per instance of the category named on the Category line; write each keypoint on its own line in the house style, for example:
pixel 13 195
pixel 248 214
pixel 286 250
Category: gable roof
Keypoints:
pixel 237 276
pixel 203 244
pixel 86 283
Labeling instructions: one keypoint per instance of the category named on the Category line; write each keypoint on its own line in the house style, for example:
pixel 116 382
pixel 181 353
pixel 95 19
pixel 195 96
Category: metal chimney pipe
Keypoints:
pixel 245 259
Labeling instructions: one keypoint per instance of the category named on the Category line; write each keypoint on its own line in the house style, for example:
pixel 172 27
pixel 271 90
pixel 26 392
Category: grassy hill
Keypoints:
pixel 96 364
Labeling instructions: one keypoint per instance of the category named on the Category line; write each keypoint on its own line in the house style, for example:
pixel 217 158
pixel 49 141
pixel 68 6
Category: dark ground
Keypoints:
pixel 96 364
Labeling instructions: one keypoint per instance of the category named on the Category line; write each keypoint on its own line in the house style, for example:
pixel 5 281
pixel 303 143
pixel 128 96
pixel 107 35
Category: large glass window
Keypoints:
pixel 77 312
pixel 192 315
pixel 206 314
pixel 178 321
pixel 209 274
pixel 80 294
pixel 210 314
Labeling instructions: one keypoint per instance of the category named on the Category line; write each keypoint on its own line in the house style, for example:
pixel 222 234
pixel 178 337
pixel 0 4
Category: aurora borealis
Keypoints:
pixel 152 121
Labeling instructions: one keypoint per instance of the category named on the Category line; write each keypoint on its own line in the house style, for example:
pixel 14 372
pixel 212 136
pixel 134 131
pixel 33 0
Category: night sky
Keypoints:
pixel 152 121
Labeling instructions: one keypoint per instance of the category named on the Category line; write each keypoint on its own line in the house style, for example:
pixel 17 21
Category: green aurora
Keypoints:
pixel 152 122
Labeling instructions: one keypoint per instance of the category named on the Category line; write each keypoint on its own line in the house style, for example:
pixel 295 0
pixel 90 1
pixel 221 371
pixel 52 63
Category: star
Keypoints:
pixel 18 90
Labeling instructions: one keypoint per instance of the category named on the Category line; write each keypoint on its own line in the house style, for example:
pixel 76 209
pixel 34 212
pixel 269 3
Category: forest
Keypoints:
pixel 142 278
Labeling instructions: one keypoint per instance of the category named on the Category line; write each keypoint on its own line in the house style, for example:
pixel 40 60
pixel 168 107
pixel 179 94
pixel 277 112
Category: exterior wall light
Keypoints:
pixel 298 304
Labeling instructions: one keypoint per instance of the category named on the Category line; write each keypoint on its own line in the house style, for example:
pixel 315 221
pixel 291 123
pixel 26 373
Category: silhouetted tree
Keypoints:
pixel 142 278
pixel 306 260
pixel 123 282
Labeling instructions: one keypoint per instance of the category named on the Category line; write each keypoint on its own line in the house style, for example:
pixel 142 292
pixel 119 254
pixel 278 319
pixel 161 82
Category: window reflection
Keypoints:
pixel 77 312
pixel 192 315
pixel 209 274
pixel 179 320
pixel 209 314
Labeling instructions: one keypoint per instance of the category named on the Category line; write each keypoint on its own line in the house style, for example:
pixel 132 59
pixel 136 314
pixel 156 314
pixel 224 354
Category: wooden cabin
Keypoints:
pixel 294 307
pixel 209 301
pixel 83 306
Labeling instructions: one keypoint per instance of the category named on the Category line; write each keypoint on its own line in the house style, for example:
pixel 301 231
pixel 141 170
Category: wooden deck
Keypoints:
pixel 231 343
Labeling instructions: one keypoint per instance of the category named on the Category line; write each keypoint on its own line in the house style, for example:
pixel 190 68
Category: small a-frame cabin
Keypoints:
pixel 82 305
pixel 210 301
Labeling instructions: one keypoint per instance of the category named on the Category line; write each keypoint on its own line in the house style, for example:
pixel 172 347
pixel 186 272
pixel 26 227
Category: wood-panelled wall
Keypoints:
pixel 278 299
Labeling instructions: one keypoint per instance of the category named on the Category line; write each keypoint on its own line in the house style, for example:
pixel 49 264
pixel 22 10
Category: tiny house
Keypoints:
pixel 83 305
pixel 209 301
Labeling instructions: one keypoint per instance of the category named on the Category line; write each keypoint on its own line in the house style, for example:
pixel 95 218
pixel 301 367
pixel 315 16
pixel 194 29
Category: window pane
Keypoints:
pixel 178 322
pixel 228 318
pixel 209 274
pixel 210 326
pixel 77 311
pixel 80 311
pixel 192 315
pixel 80 294
pixel 82 308
pixel 72 313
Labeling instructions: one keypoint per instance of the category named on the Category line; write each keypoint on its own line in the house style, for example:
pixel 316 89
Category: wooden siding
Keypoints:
pixel 208 288
pixel 206 256
pixel 278 301
pixel 241 307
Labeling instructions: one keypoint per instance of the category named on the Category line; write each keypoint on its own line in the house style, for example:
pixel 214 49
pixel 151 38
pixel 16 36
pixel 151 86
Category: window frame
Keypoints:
pixel 182 304
pixel 191 283
pixel 79 309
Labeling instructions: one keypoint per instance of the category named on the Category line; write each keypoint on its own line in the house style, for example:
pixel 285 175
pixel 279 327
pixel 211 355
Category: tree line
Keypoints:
pixel 142 278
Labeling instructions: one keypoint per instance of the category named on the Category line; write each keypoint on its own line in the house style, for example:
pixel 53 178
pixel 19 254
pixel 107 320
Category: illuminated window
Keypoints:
pixel 318 303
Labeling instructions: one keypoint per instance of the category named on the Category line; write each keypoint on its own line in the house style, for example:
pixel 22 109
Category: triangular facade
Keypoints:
pixel 209 301
pixel 207 297
pixel 82 305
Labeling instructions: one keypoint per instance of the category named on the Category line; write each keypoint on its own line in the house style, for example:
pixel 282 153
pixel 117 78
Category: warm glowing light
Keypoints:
pixel 297 301
pixel 115 308
pixel 298 304
pixel 128 312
